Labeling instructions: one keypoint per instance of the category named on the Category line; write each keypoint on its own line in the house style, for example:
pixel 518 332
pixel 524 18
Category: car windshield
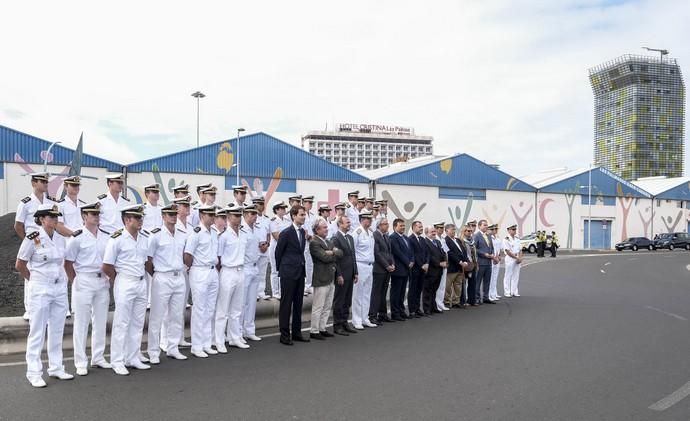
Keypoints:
pixel 528 237
pixel 665 235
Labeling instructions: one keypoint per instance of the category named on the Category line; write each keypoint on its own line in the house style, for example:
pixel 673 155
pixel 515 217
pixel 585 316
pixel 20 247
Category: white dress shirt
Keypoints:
pixel 364 245
pixel 232 247
pixel 126 253
pixel 202 244
pixel 86 250
pixel 166 249
pixel 26 210
pixel 71 213
pixel 111 215
pixel 44 255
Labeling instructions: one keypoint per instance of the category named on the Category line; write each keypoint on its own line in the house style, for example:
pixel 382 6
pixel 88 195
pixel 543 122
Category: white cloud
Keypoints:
pixel 504 81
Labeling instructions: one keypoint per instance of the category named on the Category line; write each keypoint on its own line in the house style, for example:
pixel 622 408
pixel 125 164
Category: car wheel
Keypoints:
pixel 650 247
pixel 634 247
pixel 671 246
pixel 532 248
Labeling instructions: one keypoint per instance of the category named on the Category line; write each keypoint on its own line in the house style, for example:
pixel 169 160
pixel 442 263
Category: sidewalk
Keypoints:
pixel 14 330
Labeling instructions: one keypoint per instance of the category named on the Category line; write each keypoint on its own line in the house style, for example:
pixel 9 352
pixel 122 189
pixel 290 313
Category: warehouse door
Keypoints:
pixel 601 234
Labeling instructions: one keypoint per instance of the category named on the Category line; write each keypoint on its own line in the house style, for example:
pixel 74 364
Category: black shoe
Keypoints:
pixel 489 302
pixel 398 319
pixel 386 319
pixel 326 334
pixel 419 313
pixel 299 338
pixel 318 336
pixel 340 331
pixel 408 316
pixel 435 310
pixel 426 314
pixel 456 306
pixel 375 321
pixel 286 341
pixel 347 328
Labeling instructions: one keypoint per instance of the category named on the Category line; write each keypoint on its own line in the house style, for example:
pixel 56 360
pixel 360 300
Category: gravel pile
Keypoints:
pixel 11 284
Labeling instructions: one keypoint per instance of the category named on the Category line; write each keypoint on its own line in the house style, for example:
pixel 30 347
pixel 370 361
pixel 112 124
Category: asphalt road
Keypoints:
pixel 591 338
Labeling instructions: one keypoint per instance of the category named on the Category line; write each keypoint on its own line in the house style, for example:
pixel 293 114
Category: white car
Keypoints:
pixel 529 242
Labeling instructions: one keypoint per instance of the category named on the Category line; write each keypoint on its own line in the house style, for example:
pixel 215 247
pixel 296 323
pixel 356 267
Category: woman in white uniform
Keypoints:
pixel 40 260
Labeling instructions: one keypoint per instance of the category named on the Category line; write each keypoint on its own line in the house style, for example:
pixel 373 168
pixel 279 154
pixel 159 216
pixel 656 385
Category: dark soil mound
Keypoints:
pixel 11 284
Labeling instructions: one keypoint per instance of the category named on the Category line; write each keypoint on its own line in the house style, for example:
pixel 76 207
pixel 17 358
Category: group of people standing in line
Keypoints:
pixel 156 256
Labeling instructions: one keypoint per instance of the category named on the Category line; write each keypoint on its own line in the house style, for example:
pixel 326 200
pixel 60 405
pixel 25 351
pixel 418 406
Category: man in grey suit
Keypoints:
pixel 347 270
pixel 383 267
pixel 486 257
pixel 324 256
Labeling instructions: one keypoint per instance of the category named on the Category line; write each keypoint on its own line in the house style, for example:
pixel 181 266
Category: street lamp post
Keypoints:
pixel 45 160
pixel 198 95
pixel 589 202
pixel 240 130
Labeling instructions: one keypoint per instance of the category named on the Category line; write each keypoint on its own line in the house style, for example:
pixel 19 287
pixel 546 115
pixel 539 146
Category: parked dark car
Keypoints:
pixel 635 243
pixel 672 240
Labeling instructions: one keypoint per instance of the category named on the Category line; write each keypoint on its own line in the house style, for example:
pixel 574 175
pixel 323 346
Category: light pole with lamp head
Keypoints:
pixel 198 95
pixel 240 130
pixel 589 206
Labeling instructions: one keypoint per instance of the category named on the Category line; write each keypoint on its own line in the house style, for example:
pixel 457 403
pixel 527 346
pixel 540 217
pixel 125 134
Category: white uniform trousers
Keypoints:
pixel 47 308
pixel 493 293
pixel 128 321
pixel 441 291
pixel 361 293
pixel 262 266
pixel 164 328
pixel 252 281
pixel 230 305
pixel 275 279
pixel 308 268
pixel 203 281
pixel 167 303
pixel 27 295
pixel 90 299
pixel 511 277
pixel 321 307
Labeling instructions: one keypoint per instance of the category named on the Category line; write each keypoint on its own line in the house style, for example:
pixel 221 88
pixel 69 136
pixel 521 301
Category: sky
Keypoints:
pixel 504 81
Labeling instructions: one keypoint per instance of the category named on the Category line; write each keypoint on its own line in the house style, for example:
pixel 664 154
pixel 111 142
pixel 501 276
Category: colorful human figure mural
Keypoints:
pixel 408 208
pixel 625 202
pixel 670 223
pixel 646 222
pixel 521 218
pixel 459 215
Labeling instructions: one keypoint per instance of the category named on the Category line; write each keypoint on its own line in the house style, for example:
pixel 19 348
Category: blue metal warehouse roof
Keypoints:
pixel 456 171
pixel 261 155
pixel 604 183
pixel 16 146
pixel 677 188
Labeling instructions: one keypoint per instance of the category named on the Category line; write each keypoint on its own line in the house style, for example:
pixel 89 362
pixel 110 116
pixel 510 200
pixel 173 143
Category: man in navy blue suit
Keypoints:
pixel 486 257
pixel 404 260
pixel 291 269
pixel 418 270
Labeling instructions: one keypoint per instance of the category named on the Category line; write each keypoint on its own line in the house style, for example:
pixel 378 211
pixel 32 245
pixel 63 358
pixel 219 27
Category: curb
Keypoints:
pixel 14 330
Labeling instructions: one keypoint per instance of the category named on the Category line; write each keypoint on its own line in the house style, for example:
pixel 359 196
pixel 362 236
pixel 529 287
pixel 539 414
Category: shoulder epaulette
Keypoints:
pixel 102 196
pixel 155 230
pixel 116 234
pixel 103 231
pixel 272 219
pixel 27 199
pixel 32 235
pixel 80 201
pixel 76 233
pixel 194 203
pixel 243 230
pixel 122 197
pixel 51 198
pixel 60 201
pixel 144 233
pixel 197 229
pixel 182 231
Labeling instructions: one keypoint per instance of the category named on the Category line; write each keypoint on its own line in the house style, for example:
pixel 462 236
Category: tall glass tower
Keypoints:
pixel 639 116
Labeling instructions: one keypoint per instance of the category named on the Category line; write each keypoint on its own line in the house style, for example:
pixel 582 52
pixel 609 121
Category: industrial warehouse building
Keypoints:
pixel 454 189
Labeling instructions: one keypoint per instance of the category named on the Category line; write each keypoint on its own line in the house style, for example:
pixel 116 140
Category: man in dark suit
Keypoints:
pixel 403 259
pixel 458 265
pixel 383 267
pixel 347 268
pixel 291 269
pixel 419 269
pixel 485 257
pixel 432 279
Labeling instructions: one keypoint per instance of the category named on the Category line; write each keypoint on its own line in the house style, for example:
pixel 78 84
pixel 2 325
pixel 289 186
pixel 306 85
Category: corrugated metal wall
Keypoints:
pixel 15 144
pixel 261 155
pixel 462 171
pixel 603 182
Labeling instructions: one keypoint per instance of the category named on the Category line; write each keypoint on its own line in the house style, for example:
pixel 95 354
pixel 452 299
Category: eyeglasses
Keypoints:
pixel 470 231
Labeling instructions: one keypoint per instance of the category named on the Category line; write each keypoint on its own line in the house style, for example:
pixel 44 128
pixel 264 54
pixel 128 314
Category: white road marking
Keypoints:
pixel 687 267
pixel 672 399
pixel 607 263
pixel 675 316
pixel 602 271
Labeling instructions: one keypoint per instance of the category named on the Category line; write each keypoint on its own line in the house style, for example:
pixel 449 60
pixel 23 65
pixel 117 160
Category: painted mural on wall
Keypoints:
pixel 626 202
pixel 407 211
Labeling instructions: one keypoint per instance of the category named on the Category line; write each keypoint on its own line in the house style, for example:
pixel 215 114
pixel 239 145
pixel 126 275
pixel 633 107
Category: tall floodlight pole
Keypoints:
pixel 198 95
pixel 240 130
pixel 589 201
